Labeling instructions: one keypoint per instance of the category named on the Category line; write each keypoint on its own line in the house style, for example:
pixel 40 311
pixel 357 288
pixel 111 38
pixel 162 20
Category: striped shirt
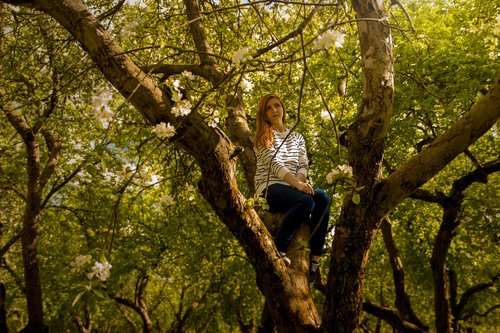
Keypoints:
pixel 280 159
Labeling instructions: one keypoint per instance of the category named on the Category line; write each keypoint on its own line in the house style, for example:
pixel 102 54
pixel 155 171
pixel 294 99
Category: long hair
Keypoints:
pixel 264 131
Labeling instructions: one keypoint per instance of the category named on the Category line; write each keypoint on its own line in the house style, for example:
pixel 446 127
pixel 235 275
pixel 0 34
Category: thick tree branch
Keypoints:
pixel 422 167
pixel 478 175
pixel 425 195
pixel 139 308
pixel 482 314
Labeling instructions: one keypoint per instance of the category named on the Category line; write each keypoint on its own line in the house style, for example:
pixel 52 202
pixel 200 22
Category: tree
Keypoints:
pixel 291 307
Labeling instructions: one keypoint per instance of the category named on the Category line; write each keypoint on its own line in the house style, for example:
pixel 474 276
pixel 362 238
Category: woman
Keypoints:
pixel 282 167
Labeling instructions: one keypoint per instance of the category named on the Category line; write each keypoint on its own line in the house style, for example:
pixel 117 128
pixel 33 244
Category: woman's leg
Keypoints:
pixel 319 223
pixel 297 207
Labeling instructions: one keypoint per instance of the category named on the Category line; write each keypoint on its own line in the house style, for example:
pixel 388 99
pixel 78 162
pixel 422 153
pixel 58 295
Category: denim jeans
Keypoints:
pixel 299 207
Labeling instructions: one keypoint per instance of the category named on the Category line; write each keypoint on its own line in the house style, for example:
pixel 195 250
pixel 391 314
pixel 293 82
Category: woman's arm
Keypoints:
pixel 300 185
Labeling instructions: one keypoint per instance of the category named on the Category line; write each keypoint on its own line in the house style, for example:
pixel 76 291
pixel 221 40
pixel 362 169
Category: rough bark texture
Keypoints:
pixel 423 166
pixel 357 224
pixel 237 125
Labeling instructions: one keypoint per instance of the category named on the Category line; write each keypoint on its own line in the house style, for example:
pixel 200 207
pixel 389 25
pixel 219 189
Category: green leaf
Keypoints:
pixel 77 298
pixel 356 198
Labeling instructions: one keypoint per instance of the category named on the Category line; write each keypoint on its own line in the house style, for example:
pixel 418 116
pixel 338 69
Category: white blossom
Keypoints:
pixel 347 169
pixel 188 75
pixel 130 28
pixel 100 271
pixel 182 108
pixel 79 262
pixel 246 85
pixel 496 28
pixel 241 56
pixel 339 172
pixel 326 115
pixel 331 175
pixel 100 103
pixel 176 84
pixel 163 130
pixel 329 38
pixel 214 119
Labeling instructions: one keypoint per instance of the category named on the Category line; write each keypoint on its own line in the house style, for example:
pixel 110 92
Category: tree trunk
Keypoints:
pixel 3 312
pixel 402 299
pixel 37 180
pixel 29 239
pixel 442 244
pixel 357 224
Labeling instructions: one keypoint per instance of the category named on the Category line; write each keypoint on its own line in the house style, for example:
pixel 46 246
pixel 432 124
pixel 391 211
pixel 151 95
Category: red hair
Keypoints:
pixel 264 131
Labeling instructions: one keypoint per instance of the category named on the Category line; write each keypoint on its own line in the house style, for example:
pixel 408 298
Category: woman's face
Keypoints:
pixel 274 112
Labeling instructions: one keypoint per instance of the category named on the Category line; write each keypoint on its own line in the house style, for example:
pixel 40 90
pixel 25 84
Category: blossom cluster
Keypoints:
pixel 241 56
pixel 182 107
pixel 99 270
pixel 163 130
pixel 214 119
pixel 100 104
pixel 329 38
pixel 325 114
pixel 342 171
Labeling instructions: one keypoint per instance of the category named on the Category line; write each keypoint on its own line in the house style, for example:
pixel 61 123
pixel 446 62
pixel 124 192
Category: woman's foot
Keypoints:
pixel 287 260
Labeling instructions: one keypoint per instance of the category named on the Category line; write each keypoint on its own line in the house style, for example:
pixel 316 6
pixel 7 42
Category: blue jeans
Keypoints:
pixel 299 207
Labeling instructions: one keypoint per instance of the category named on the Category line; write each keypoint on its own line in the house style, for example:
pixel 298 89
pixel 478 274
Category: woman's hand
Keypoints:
pixel 305 187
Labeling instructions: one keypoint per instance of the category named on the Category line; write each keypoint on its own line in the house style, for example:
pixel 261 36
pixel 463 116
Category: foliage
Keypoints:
pixel 131 197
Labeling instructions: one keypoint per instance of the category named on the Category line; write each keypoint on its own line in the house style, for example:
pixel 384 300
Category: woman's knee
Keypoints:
pixel 307 202
pixel 321 197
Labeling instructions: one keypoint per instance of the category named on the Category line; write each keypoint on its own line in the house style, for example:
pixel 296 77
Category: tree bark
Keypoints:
pixel 3 312
pixel 31 220
pixel 393 318
pixel 357 224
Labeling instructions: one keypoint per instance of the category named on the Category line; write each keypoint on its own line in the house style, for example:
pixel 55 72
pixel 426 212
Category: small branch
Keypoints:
pixel 9 243
pixel 391 317
pixel 54 147
pixel 397 3
pixel 291 34
pixel 466 296
pixel 57 187
pixel 112 11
